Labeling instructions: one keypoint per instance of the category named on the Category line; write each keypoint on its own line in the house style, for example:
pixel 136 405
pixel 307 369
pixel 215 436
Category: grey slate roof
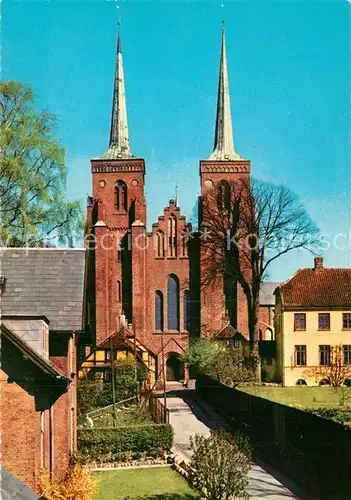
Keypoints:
pixel 44 282
pixel 267 297
pixel 12 488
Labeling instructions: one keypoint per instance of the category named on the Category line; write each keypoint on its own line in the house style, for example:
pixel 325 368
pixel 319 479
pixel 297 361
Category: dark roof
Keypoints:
pixel 267 297
pixel 44 364
pixel 318 288
pixel 227 332
pixel 44 281
pixel 13 489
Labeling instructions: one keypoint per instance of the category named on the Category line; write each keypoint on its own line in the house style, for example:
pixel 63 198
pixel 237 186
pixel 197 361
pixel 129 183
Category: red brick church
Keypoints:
pixel 147 285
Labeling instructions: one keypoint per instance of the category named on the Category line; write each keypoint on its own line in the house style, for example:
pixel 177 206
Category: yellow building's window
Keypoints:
pixel 299 321
pixel 323 321
pixel 300 355
pixel 346 321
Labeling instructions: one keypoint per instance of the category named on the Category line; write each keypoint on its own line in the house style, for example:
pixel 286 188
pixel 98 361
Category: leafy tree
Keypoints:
pixel 201 353
pixel 77 483
pixel 222 363
pixel 218 467
pixel 244 230
pixel 33 175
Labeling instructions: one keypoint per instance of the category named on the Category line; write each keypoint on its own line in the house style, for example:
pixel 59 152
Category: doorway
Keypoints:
pixel 174 368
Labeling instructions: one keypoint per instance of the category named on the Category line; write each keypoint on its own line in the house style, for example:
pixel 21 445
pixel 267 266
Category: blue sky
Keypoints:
pixel 289 78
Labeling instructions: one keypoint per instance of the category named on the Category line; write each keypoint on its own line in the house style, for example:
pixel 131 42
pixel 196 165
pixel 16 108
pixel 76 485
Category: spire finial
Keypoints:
pixel 224 142
pixel 119 137
pixel 176 195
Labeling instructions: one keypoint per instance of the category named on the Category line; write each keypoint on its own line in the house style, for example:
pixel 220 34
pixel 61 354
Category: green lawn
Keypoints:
pixel 308 397
pixel 147 484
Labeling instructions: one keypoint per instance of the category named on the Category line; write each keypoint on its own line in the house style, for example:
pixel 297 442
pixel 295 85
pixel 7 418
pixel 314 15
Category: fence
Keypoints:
pixel 159 413
pixel 314 451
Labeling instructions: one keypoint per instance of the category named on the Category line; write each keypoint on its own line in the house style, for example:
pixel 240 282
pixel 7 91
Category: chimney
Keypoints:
pixel 318 263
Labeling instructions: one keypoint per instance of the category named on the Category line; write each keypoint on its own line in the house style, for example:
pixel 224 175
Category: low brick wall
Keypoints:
pixel 314 451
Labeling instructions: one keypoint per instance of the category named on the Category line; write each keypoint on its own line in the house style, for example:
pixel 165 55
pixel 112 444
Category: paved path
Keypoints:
pixel 188 417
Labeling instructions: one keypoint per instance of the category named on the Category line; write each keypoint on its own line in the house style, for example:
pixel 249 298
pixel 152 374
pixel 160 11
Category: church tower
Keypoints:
pixel 223 168
pixel 118 201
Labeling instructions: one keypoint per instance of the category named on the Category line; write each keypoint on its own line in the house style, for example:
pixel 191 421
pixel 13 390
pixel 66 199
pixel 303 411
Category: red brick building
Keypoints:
pixel 42 311
pixel 152 280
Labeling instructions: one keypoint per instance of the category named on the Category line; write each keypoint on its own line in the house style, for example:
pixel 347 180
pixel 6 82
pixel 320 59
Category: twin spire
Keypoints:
pixel 119 138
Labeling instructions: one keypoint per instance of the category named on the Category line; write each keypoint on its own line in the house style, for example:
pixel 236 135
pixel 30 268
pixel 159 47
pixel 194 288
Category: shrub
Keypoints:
pixel 218 468
pixel 77 483
pixel 109 444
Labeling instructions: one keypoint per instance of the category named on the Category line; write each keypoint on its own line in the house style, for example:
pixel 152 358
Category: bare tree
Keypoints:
pixel 245 228
pixel 335 373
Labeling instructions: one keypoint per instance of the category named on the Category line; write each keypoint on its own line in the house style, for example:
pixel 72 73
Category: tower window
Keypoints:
pixel 223 196
pixel 172 235
pixel 121 196
pixel 119 291
pixel 159 311
pixel 173 303
pixel 185 245
pixel 186 311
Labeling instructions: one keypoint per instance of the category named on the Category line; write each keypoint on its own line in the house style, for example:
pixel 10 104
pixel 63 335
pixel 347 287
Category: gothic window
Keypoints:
pixel 186 311
pixel 160 244
pixel 121 196
pixel 159 311
pixel 184 245
pixel 173 303
pixel 223 196
pixel 119 291
pixel 172 235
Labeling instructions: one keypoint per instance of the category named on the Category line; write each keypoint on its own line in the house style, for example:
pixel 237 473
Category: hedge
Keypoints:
pixel 111 444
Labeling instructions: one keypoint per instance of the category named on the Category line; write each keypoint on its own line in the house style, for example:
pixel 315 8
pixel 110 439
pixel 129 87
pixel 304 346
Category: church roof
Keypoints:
pixel 224 141
pixel 119 148
pixel 44 281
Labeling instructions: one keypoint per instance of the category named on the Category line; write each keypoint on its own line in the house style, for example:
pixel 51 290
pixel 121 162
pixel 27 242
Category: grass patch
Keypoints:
pixel 308 397
pixel 143 484
pixel 132 415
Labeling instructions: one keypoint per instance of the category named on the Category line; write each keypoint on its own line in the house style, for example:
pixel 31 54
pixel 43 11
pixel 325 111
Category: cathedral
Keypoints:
pixel 143 289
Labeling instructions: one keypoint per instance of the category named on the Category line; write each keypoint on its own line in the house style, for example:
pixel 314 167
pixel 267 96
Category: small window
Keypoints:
pixel 159 311
pixel 346 321
pixel 324 355
pixel 119 291
pixel 108 356
pixel 172 236
pixel 118 256
pixel 300 355
pixel 299 321
pixel 301 381
pixel 121 196
pixel 236 343
pixel 324 321
pixel 186 311
pixel 347 354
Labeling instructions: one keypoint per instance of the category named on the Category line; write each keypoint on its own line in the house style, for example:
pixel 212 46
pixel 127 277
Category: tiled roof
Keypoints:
pixel 267 297
pixel 318 288
pixel 44 281
pixel 227 332
pixel 12 488
pixel 44 364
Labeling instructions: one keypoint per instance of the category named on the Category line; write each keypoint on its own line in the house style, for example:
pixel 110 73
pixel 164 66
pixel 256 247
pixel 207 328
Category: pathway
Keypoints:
pixel 188 417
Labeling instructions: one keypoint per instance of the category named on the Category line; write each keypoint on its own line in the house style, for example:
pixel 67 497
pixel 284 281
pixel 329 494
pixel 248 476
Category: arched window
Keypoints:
pixel 159 311
pixel 119 291
pixel 160 244
pixel 269 334
pixel 186 311
pixel 172 235
pixel 173 303
pixel 223 196
pixel 121 196
pixel 184 245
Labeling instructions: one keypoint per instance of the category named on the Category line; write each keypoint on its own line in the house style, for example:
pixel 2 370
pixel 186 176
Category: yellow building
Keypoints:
pixel 312 314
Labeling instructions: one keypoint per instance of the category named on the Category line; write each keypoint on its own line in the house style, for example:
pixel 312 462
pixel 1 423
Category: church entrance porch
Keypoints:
pixel 174 368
